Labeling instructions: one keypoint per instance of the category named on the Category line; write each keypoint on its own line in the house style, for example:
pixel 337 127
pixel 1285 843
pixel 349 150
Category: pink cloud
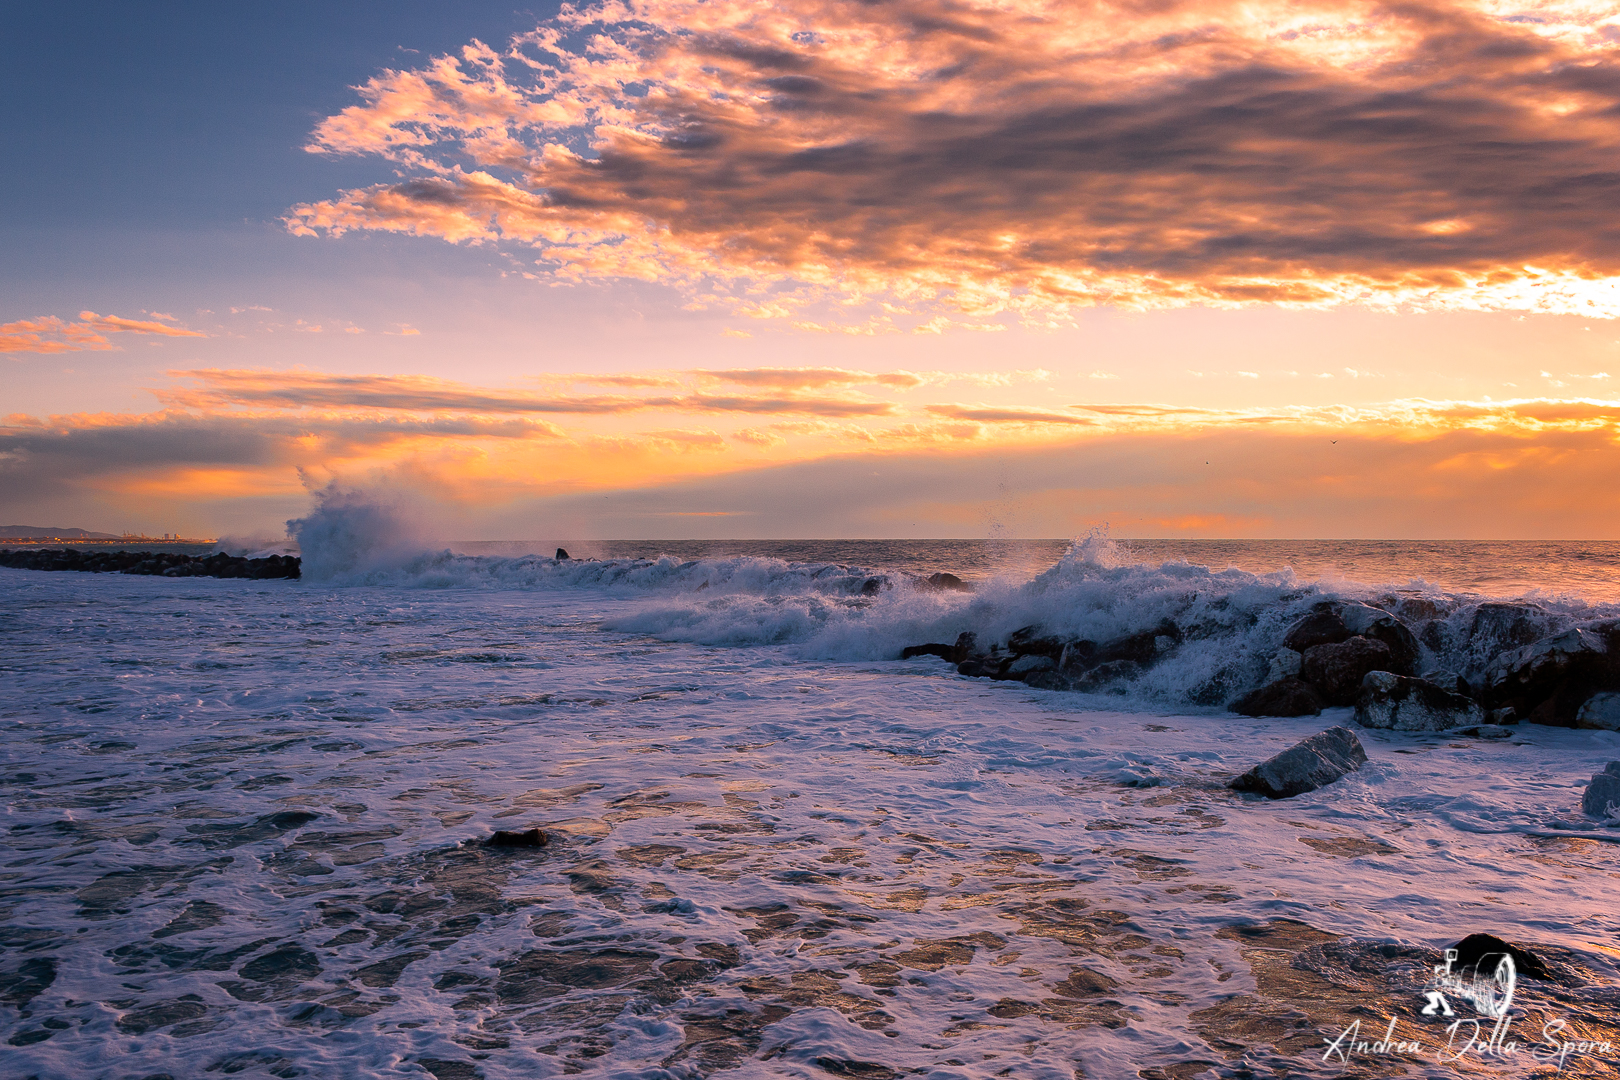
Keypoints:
pixel 50 334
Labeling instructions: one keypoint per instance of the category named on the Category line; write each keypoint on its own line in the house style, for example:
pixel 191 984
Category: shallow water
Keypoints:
pixel 243 825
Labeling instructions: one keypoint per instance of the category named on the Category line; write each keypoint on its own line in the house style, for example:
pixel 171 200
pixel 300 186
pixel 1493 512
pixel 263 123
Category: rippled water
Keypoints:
pixel 244 824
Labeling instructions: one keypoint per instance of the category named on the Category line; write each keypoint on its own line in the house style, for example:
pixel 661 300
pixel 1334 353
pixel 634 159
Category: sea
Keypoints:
pixel 245 821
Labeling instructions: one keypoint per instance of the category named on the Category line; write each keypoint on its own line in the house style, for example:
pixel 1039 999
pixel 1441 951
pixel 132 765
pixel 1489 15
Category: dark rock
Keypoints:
pixel 1285 697
pixel 535 837
pixel 151 563
pixel 1448 680
pixel 28 981
pixel 1077 656
pixel 984 667
pixel 945 582
pixel 932 648
pixel 1336 670
pixel 1548 681
pixel 1395 702
pixel 1323 626
pixel 1476 947
pixel 1104 675
pixel 1030 641
pixel 287 964
pixel 1307 765
pixel 1602 792
pixel 1506 626
pixel 561 554
pixel 1029 664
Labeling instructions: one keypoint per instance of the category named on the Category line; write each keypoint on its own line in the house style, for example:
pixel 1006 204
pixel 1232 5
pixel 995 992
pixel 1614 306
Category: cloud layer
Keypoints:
pixel 1027 155
pixel 50 334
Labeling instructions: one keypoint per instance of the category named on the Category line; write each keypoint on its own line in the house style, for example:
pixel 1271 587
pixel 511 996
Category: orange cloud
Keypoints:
pixel 49 334
pixel 1026 156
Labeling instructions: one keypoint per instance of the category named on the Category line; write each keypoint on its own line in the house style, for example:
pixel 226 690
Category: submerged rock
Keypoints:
pixel 1336 670
pixel 1602 792
pixel 1284 697
pixel 1476 947
pixel 945 582
pixel 1397 703
pixel 531 838
pixel 1307 765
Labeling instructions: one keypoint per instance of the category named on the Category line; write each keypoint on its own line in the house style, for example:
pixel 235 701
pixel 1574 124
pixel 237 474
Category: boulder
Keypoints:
pixel 562 555
pixel 535 837
pixel 1030 640
pixel 1602 710
pixel 1392 701
pixel 1548 681
pixel 1307 765
pixel 1285 665
pixel 1284 697
pixel 1448 680
pixel 1030 663
pixel 945 583
pixel 1336 670
pixel 1323 626
pixel 1603 791
pixel 1507 626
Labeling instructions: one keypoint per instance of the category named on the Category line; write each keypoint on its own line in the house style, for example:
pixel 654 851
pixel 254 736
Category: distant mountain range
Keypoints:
pixel 35 532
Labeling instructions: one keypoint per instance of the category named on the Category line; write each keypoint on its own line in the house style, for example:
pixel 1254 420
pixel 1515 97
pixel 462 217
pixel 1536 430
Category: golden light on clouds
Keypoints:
pixel 1021 157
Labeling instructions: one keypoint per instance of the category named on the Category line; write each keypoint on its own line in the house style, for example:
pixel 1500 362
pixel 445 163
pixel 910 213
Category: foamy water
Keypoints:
pixel 243 823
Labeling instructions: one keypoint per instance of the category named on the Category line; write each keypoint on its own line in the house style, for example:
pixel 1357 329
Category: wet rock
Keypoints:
pixel 1323 626
pixel 1475 947
pixel 1336 670
pixel 1105 676
pixel 562 555
pixel 1485 731
pixel 543 973
pixel 1397 703
pixel 1084 983
pixel 933 648
pixel 1307 765
pixel 1285 697
pixel 945 582
pixel 984 667
pixel 867 1070
pixel 529 838
pixel 1285 665
pixel 1029 641
pixel 1602 792
pixel 157 563
pixel 1333 622
pixel 1499 626
pixel 1548 681
pixel 385 973
pixel 1448 680
pixel 1602 710
pixel 1029 664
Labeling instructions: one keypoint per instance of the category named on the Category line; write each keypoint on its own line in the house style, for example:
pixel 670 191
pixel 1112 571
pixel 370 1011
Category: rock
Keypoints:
pixel 932 648
pixel 1028 664
pixel 1285 665
pixel 1392 701
pixel 1077 656
pixel 1095 680
pixel 1284 697
pixel 984 667
pixel 535 837
pixel 1336 670
pixel 1379 625
pixel 1030 640
pixel 1448 680
pixel 1602 710
pixel 1307 765
pixel 1548 681
pixel 1602 792
pixel 1323 626
pixel 1506 626
pixel 945 582
pixel 562 555
pixel 1475 947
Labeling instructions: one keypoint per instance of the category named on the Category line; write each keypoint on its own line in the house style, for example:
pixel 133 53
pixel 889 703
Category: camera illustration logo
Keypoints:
pixel 1487 985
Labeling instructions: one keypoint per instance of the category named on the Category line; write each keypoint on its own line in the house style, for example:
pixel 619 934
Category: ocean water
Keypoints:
pixel 244 820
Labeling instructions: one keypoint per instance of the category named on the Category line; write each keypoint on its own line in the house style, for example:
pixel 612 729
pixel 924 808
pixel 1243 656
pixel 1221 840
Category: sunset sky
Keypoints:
pixel 669 268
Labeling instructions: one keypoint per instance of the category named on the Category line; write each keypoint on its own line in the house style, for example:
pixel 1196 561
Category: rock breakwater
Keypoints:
pixel 157 563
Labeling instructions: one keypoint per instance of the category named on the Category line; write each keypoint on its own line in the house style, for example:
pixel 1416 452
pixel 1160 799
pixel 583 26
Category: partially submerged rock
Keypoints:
pixel 1476 947
pixel 1285 697
pixel 1397 703
pixel 1602 792
pixel 529 838
pixel 1307 765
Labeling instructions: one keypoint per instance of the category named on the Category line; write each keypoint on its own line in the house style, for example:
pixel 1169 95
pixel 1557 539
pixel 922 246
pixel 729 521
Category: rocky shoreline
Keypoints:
pixel 1526 667
pixel 163 564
